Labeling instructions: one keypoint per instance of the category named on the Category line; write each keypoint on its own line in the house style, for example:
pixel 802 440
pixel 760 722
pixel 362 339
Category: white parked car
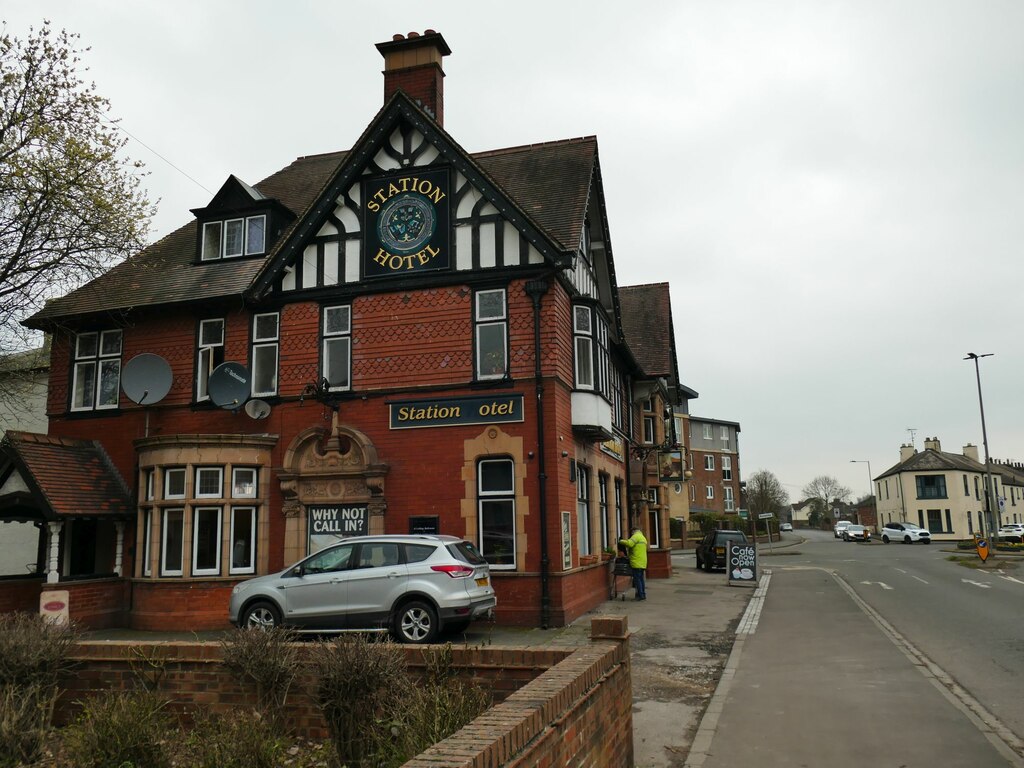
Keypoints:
pixel 908 533
pixel 786 527
pixel 1012 532
pixel 840 527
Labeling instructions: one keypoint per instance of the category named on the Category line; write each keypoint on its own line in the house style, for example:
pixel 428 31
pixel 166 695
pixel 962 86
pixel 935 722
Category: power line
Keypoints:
pixel 130 135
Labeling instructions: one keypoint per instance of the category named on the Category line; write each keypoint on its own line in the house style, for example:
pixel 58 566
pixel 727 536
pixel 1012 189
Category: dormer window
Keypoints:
pixel 234 237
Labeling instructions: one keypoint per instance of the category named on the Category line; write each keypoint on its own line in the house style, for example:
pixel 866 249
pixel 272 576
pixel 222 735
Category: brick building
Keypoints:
pixel 401 337
pixel 714 456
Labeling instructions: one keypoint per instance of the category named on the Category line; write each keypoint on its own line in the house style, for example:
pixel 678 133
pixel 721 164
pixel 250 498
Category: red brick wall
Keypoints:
pixel 659 563
pixel 195 605
pixel 424 84
pixel 20 595
pixel 555 707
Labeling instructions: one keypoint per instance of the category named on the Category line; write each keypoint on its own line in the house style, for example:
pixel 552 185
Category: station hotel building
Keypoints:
pixel 401 337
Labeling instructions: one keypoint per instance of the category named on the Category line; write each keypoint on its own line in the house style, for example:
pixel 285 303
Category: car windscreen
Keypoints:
pixel 737 535
pixel 467 553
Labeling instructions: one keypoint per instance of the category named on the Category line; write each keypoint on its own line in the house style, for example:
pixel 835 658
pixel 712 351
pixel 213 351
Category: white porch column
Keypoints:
pixel 119 552
pixel 53 570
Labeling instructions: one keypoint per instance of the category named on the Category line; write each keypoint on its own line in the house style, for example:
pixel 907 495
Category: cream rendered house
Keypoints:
pixel 943 492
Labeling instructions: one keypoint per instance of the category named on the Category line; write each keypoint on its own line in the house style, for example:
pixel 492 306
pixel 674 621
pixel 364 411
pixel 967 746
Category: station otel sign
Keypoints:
pixel 456 411
pixel 406 227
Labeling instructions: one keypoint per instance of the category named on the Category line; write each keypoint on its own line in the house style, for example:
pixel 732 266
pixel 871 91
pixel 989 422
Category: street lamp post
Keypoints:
pixel 989 488
pixel 871 491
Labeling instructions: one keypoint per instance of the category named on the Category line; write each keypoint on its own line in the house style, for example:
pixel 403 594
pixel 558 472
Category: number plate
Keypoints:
pixel 481 582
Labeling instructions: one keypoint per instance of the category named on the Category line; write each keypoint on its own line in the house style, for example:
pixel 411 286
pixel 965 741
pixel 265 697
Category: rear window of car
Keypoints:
pixel 417 553
pixel 727 535
pixel 467 553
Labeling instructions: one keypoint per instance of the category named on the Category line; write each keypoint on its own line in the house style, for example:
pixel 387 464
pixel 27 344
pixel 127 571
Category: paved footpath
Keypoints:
pixel 817 679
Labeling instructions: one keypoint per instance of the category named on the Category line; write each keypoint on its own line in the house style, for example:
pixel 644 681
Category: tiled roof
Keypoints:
pixel 549 182
pixel 164 273
pixel 75 477
pixel 647 326
pixel 930 460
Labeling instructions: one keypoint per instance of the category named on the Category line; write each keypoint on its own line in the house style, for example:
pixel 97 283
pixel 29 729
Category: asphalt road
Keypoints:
pixel 969 622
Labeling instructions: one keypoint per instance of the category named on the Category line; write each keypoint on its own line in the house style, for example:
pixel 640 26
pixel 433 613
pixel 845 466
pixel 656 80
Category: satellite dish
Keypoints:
pixel 257 409
pixel 229 385
pixel 146 379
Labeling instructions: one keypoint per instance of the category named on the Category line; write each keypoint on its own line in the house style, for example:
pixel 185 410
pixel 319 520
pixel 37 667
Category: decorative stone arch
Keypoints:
pixel 329 466
pixel 492 442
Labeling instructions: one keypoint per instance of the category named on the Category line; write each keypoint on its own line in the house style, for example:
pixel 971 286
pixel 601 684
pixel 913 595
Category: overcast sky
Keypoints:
pixel 834 190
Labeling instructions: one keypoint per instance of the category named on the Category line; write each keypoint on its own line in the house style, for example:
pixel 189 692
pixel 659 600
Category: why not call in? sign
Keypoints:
pixel 742 565
pixel 327 524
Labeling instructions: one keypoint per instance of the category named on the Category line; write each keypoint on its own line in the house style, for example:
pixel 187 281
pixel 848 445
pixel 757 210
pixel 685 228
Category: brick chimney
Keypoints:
pixel 412 64
pixel 932 444
pixel 971 451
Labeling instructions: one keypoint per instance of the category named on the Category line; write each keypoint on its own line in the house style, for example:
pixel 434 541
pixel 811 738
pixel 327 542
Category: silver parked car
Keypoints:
pixel 416 586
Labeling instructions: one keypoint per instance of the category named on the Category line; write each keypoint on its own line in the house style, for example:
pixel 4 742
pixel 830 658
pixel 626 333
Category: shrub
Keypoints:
pixel 442 705
pixel 268 659
pixel 361 689
pixel 239 739
pixel 33 656
pixel 119 728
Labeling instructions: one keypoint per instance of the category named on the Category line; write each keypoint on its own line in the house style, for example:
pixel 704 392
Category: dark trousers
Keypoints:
pixel 640 582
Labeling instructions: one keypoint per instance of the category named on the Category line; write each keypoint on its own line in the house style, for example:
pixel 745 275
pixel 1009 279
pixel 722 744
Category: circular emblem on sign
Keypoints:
pixel 406 223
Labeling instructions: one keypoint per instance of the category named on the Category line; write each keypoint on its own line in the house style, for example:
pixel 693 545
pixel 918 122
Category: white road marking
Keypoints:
pixel 977 583
pixel 750 617
pixel 901 570
pixel 882 584
pixel 918 578
pixel 1010 578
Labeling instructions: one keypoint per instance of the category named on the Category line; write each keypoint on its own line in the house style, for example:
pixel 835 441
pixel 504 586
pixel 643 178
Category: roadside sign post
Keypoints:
pixel 766 516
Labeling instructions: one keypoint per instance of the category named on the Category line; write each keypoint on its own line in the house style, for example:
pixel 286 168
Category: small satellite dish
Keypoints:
pixel 146 379
pixel 229 385
pixel 257 409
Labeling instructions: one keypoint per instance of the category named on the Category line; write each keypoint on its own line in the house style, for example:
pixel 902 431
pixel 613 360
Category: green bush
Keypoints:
pixel 267 659
pixel 361 689
pixel 240 739
pixel 121 728
pixel 34 654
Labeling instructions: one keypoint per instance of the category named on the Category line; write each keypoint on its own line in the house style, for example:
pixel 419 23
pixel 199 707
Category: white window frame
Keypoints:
pixel 707 432
pixel 164 527
pixel 208 354
pixel 602 506
pixel 240 487
pixel 218 529
pixel 583 346
pixel 484 321
pixel 727 467
pixel 200 471
pixel 337 340
pixel 147 535
pixel 723 433
pixel 648 430
pixel 709 491
pixel 709 462
pixel 236 513
pixel 265 342
pixel 728 499
pixel 251 250
pixel 150 483
pixel 229 224
pixel 502 495
pixel 583 509
pixel 175 471
pixel 208 227
pixel 92 367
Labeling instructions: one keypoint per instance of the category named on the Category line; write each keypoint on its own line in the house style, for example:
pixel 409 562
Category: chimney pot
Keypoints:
pixel 412 64
pixel 430 32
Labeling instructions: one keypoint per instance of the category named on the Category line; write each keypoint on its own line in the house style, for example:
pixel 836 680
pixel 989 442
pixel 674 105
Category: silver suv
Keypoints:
pixel 413 585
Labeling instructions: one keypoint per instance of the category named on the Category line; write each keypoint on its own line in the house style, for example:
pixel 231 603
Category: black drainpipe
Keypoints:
pixel 535 289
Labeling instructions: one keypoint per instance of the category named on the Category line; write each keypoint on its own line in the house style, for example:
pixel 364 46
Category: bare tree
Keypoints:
pixel 823 491
pixel 71 205
pixel 765 494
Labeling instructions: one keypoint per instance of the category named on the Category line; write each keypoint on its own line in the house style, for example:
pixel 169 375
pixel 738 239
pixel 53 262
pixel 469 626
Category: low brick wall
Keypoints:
pixel 20 594
pixel 554 706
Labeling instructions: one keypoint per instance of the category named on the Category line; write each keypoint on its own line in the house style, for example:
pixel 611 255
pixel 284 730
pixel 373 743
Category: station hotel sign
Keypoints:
pixel 456 411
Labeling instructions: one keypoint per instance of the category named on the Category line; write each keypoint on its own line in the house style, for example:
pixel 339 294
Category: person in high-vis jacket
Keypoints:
pixel 636 545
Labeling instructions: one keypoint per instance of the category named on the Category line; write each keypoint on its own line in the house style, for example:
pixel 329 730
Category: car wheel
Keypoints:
pixel 906 539
pixel 885 539
pixel 700 563
pixel 261 615
pixel 927 541
pixel 416 622
pixel 708 565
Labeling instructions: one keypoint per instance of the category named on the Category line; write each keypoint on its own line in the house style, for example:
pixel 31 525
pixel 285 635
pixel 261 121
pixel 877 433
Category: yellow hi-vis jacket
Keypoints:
pixel 637 546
